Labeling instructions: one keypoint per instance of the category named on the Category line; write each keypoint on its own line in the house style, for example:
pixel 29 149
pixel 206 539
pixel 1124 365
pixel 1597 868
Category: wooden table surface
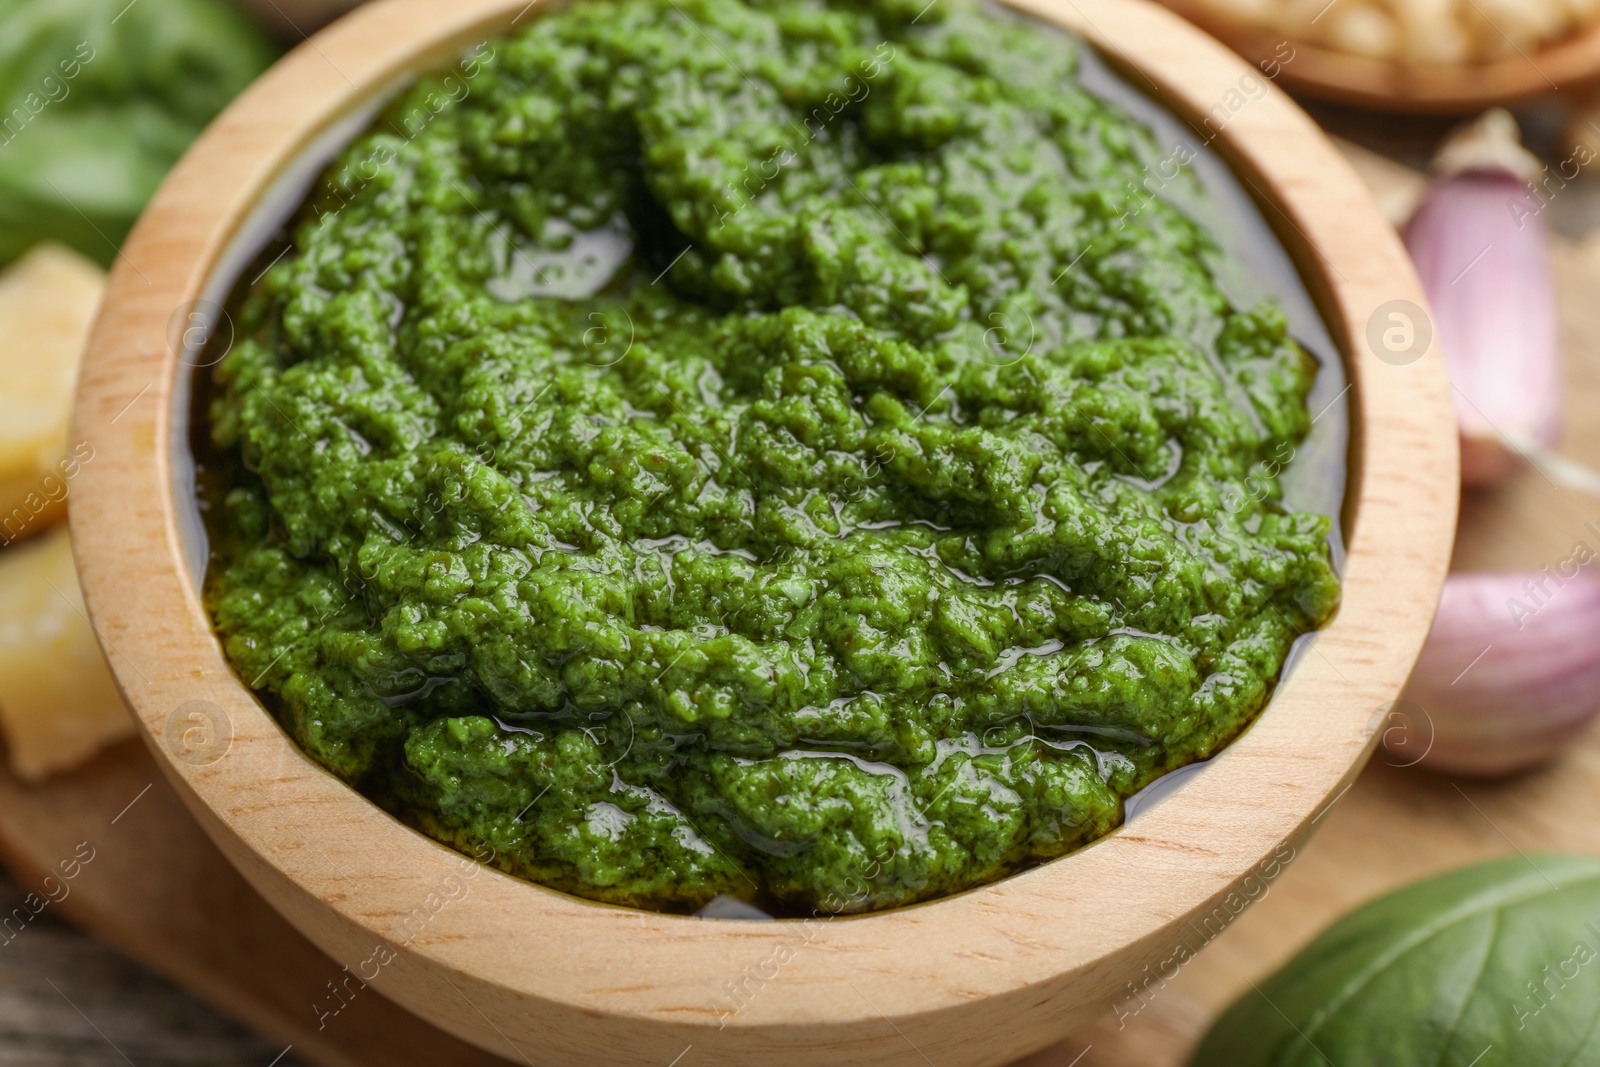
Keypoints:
pixel 68 999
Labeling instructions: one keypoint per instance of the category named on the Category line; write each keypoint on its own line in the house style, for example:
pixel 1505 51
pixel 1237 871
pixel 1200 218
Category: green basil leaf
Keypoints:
pixel 98 98
pixel 1492 965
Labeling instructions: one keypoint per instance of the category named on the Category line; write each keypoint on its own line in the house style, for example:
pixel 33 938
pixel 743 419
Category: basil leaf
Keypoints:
pixel 1492 965
pixel 98 98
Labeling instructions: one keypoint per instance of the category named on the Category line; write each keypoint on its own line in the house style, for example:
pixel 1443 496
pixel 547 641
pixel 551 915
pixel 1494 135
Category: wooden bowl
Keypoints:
pixel 979 978
pixel 1570 66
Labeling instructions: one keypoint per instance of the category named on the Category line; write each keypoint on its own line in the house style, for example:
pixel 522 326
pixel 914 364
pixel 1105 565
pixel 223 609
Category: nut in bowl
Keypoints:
pixel 999 957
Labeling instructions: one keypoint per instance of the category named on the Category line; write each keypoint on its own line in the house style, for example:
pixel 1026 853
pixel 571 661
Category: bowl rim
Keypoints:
pixel 1002 968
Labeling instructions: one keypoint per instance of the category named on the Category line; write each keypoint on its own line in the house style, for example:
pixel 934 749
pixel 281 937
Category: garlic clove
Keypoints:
pixel 1492 142
pixel 1510 673
pixel 1481 244
pixel 1431 32
pixel 1360 29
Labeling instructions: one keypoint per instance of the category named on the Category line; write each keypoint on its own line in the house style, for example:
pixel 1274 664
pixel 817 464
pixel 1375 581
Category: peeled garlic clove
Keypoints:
pixel 1510 673
pixel 1481 244
pixel 1363 30
pixel 1432 33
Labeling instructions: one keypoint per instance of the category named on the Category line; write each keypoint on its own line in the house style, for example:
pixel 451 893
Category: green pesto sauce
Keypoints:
pixel 788 449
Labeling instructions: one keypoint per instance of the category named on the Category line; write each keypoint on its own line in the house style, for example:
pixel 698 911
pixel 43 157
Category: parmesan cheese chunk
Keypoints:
pixel 58 704
pixel 47 300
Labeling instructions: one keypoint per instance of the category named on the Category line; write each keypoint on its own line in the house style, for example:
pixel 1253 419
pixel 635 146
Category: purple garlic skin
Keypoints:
pixel 1481 245
pixel 1510 674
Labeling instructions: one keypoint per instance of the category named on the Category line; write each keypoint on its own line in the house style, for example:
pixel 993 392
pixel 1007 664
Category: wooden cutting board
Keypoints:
pixel 158 890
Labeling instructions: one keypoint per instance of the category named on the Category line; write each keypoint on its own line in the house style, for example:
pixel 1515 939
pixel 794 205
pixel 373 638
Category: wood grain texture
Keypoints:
pixel 157 889
pixel 1571 66
pixel 68 1000
pixel 978 979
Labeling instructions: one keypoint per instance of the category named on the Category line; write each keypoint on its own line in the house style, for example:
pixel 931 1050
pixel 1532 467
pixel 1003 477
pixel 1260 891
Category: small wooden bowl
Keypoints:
pixel 1570 66
pixel 979 978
